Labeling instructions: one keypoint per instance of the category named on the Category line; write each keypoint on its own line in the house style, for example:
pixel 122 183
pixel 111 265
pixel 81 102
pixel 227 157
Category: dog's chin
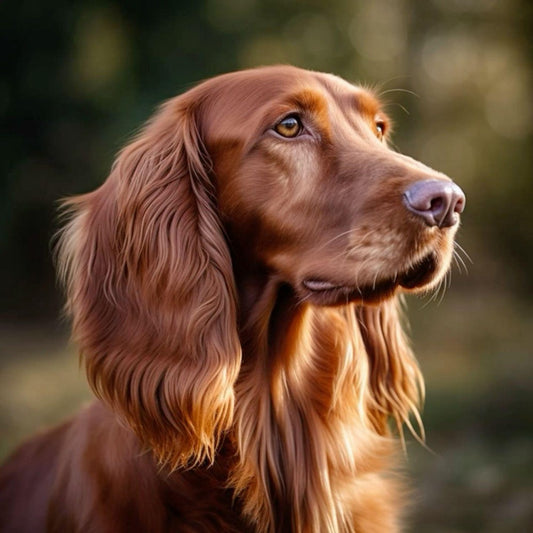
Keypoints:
pixel 419 276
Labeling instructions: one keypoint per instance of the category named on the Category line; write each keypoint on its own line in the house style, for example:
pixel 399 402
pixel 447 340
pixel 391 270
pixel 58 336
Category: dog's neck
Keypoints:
pixel 298 362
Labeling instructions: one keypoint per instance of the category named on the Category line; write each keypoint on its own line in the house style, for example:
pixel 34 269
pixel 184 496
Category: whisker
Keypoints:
pixel 382 84
pixel 383 93
pixel 340 235
pixel 437 294
pixel 458 260
pixel 402 107
pixel 440 289
pixel 464 252
pixel 445 286
pixel 429 297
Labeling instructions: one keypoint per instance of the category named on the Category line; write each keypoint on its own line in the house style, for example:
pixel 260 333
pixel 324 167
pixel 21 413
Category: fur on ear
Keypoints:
pixel 151 292
pixel 396 383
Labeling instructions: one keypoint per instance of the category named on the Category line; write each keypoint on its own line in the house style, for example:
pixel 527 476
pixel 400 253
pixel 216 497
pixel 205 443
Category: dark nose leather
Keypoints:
pixel 437 202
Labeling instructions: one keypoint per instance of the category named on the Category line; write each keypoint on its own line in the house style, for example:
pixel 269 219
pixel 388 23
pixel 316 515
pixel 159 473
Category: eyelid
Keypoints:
pixel 296 114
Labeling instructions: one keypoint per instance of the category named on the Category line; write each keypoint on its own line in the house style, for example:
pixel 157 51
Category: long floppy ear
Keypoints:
pixel 397 386
pixel 150 288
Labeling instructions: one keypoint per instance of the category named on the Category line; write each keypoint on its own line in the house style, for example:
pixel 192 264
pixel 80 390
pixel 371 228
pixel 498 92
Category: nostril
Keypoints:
pixel 437 202
pixel 459 206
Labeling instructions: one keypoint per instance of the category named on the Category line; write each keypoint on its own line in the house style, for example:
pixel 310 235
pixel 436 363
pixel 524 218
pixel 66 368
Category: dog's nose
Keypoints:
pixel 438 202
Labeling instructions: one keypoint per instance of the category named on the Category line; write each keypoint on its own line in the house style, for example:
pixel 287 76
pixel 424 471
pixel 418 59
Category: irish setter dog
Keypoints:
pixel 234 289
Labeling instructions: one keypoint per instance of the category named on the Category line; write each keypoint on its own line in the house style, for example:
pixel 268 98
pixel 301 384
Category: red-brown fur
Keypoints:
pixel 232 397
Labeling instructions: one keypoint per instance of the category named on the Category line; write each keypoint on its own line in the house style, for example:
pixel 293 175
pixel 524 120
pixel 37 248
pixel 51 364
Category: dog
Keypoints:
pixel 235 288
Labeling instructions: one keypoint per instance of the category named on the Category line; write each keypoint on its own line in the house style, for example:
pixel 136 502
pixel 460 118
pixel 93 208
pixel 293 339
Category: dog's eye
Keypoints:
pixel 380 129
pixel 290 126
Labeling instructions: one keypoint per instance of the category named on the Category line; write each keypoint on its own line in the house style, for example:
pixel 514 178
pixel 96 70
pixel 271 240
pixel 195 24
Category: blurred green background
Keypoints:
pixel 78 78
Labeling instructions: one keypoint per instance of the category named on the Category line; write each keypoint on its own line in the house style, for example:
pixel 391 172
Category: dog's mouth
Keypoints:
pixel 416 276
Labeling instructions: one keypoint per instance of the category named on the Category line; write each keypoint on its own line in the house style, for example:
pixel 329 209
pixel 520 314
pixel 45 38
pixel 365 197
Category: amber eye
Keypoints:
pixel 290 126
pixel 380 129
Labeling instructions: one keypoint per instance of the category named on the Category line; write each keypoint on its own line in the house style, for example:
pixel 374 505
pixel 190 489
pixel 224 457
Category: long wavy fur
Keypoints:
pixel 151 292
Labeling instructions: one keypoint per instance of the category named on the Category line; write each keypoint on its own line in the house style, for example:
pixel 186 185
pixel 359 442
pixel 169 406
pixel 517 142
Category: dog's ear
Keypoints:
pixel 150 288
pixel 396 383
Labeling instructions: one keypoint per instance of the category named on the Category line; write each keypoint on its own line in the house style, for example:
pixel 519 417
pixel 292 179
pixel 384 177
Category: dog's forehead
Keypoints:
pixel 286 83
pixel 277 82
pixel 239 103
pixel 351 95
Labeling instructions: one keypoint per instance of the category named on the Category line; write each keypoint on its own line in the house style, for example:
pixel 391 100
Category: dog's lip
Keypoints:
pixel 320 285
pixel 417 275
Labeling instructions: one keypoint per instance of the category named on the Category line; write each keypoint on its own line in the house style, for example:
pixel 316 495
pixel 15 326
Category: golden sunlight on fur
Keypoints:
pixel 234 287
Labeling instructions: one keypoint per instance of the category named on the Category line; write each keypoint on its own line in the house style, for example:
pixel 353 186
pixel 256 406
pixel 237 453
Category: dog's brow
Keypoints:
pixel 366 103
pixel 309 100
pixel 315 102
pixel 351 96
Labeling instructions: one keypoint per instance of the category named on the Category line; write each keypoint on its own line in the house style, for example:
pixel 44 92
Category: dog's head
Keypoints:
pixel 309 187
pixel 278 170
